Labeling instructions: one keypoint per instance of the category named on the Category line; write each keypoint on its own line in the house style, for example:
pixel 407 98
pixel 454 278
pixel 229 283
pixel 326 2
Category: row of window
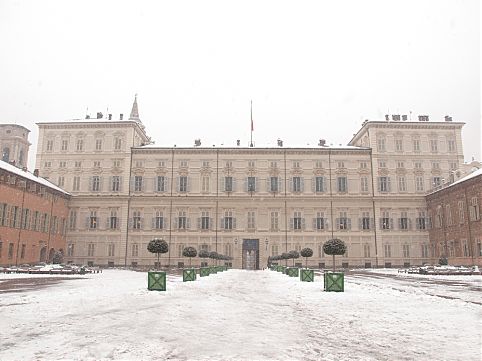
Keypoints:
pixel 228 222
pixel 444 217
pixel 460 249
pixel 79 144
pixel 251 184
pixel 11 249
pixel 24 218
pixel 416 145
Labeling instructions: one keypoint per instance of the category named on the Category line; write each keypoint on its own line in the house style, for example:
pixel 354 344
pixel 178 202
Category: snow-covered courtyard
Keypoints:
pixel 243 315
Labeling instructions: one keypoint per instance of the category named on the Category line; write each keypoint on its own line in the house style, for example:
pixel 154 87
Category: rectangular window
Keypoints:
pixel 419 183
pixel 297 221
pixel 72 219
pixel 406 251
pixel 115 183
pixel 93 220
pixel 182 220
pixel 183 184
pixel 251 184
pixel 341 164
pixel 161 183
pixel 398 145
pixel 421 221
pixel 117 143
pixel 15 217
pixel 388 250
pixel 113 220
pixel 10 250
pixel 183 164
pixel 205 184
pixel 159 220
pixel 205 164
pixel 365 221
pixel 79 145
pixel 227 222
pixel 61 181
pixel 205 224
pixel 111 250
pixel 363 165
pixel 381 144
pixel 343 222
pixel 366 250
pixel 385 221
pixel 97 164
pixel 70 250
pixel 296 164
pixel 138 182
pixel 228 184
pixel 342 184
pixel 273 184
pixel 433 145
pixel 90 249
pixel 403 222
pixel 425 251
pixel 22 252
pixel 64 145
pixel 135 250
pixel 62 164
pixel 436 181
pixel 274 224
pixel 96 183
pixel 251 220
pixel 3 213
pixel 319 184
pixel 461 205
pixel 384 184
pixel 26 219
pixel 402 184
pixel 136 220
pixel 320 221
pixel 451 145
pixel 78 164
pixel 474 209
pixel 50 145
pixel 364 184
pixel 416 145
pixel 98 144
pixel 296 181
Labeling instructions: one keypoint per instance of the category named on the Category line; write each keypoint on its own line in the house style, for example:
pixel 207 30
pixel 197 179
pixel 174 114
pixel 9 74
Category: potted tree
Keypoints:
pixel 293 271
pixel 204 271
pixel 157 280
pixel 307 275
pixel 334 281
pixel 190 273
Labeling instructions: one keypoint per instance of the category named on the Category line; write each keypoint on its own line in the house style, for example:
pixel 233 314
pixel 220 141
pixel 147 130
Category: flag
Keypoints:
pixel 252 124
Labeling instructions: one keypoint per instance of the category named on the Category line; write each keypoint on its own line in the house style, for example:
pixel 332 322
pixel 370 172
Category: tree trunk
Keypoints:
pixel 157 268
pixel 306 262
pixel 190 262
pixel 333 263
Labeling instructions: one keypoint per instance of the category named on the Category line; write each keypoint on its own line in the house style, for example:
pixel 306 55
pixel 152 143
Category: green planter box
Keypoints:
pixel 156 281
pixel 213 269
pixel 279 268
pixel 307 275
pixel 220 268
pixel 188 275
pixel 286 270
pixel 293 272
pixel 204 271
pixel 283 269
pixel 334 281
pixel 225 267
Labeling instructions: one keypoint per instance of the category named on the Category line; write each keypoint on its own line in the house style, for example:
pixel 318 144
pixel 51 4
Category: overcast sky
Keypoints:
pixel 314 69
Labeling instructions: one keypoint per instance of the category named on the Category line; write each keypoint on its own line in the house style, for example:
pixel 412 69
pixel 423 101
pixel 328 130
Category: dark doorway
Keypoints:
pixel 251 254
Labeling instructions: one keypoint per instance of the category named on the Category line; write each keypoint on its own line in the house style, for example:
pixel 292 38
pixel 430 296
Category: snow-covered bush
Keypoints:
pixel 306 252
pixel 443 261
pixel 334 247
pixel 189 252
pixel 58 257
pixel 158 246
pixel 294 255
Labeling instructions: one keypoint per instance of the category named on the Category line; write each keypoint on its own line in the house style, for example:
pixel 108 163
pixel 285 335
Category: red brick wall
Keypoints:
pixel 448 240
pixel 52 203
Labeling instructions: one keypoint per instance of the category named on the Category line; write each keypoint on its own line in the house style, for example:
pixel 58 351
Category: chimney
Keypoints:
pixel 110 116
pixel 121 116
pixel 387 117
pixel 423 118
pixel 238 142
pixel 280 142
pixel 396 117
pixel 99 115
pixel 197 142
pixel 35 172
pixel 322 143
pixel 24 169
pixel 448 119
pixel 404 117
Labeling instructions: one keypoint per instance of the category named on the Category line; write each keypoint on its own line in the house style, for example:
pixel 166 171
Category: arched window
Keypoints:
pixel 6 154
pixel 20 157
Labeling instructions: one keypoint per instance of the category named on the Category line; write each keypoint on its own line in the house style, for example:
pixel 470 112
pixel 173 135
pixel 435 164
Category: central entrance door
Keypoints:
pixel 251 254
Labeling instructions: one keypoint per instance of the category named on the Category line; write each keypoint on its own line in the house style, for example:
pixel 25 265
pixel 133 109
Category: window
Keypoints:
pixel 138 183
pixel 50 145
pixel 115 183
pixel 227 222
pixel 319 223
pixel 400 165
pixel 182 220
pixel 416 145
pixel 365 221
pixel 135 250
pixel 419 183
pixel 384 184
pixel 448 213
pixel 398 145
pixel 6 154
pixel 273 184
pixel 161 185
pixel 425 253
pixel 402 184
pixel 205 184
pixel 64 145
pixel 417 165
pixel 274 224
pixel 436 181
pixel 159 220
pixel 385 221
pixel 15 219
pixel 364 184
pixel 229 164
pixel 342 185
pixel 183 184
pixel 78 164
pixel 117 143
pixel 451 145
pixel 382 164
pixel 93 220
pixel 296 164
pixel 10 250
pixel 61 181
pixel 70 250
pixel 296 184
pixel 228 184
pixel 319 164
pixel 461 205
pixel 205 222
pixel 274 250
pixel 297 221
pixel 453 165
pixel 363 165
pixel 116 163
pixel 341 164
pixel 113 220
pixel 136 220
pixel 406 250
pixel 433 145
pixel 62 164
pixel 47 164
pixel 98 144
pixel 90 249
pixel 251 184
pixel 97 164
pixel 111 250
pixel 465 248
pixel 381 144
pixel 79 145
pixel 319 184
pixel 26 219
pixel 205 164
pixel 139 164
pixel 183 164
pixel 474 209
pixel 251 220
pixel 435 165
pixel 388 250
pixel 403 222
pixel 36 221
pixel 343 222
pixel 421 222
pixel 3 213
pixel 96 183
pixel 366 250
pixel 76 184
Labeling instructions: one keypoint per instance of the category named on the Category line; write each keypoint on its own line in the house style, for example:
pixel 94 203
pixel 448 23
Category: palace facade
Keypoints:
pixel 248 202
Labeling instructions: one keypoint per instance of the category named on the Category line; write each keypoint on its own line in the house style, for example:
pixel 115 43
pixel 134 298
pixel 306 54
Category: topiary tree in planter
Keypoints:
pixel 443 261
pixel 158 246
pixel 294 255
pixel 306 252
pixel 189 252
pixel 203 254
pixel 285 256
pixel 334 247
pixel 214 256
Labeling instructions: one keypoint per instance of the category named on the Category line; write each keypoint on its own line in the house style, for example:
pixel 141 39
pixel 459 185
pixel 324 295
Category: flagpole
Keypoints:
pixel 251 143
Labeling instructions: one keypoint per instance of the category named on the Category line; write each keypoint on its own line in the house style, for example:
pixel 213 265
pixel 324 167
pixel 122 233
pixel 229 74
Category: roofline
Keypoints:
pixel 365 149
pixel 374 122
pixel 16 125
pixel 454 184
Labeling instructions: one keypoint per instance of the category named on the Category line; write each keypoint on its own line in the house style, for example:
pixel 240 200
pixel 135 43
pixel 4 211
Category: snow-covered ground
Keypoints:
pixel 244 315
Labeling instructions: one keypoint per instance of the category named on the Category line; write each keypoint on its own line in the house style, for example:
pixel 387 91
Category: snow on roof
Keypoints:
pixel 26 174
pixel 267 146
pixel 461 180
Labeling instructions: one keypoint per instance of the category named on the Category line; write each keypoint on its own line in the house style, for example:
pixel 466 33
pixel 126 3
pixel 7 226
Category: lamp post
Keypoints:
pixel 236 247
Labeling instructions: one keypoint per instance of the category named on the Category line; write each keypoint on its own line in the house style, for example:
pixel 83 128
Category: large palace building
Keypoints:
pixel 249 202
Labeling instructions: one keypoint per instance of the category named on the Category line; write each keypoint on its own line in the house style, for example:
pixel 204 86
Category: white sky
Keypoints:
pixel 314 69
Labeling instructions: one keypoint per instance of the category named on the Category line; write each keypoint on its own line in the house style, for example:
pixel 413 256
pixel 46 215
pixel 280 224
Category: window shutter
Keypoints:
pixel 391 223
pixel 389 185
pixel 380 220
pixel 314 224
pixel 348 223
pixel 290 184
pixel 256 184
pixel 246 184
pixel 142 223
pixel 326 223
pixel 409 223
pixel 268 184
pixel 234 222
pixel 199 223
pixel 303 223
pixel 323 184
pixel 379 187
pixel 130 223
pixel 87 222
pixel 222 223
pixel 120 184
pixel 280 185
pixel 313 184
pixel 291 223
pixel 222 182
pixel 176 223
pixel 211 223
pixel 360 223
pixel 107 223
pixel 399 223
pixel 131 185
pixel 110 184
pixel 302 185
pixel 153 224
pixel 188 184
pixel 101 183
pixel 90 184
pixel 188 223
pixel 178 184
